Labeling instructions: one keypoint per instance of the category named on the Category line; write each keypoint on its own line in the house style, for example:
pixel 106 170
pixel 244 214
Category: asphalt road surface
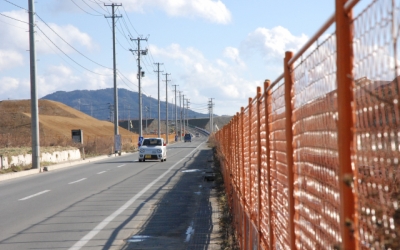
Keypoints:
pixel 117 203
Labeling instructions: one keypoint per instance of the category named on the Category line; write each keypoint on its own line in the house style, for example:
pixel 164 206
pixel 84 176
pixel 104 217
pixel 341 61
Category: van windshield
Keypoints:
pixel 152 142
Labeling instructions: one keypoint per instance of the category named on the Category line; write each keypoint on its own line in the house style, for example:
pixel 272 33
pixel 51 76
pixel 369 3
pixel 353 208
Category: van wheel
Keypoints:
pixel 162 160
pixel 140 160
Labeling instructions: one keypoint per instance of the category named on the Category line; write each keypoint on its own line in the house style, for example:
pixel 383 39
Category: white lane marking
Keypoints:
pixel 33 195
pixel 102 172
pixel 120 165
pixel 85 239
pixel 77 181
pixel 189 232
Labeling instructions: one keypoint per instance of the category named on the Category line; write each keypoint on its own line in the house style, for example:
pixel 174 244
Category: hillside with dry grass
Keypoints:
pixel 56 121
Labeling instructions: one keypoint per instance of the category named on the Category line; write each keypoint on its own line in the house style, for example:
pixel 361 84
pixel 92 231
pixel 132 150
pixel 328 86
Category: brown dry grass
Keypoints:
pixel 56 121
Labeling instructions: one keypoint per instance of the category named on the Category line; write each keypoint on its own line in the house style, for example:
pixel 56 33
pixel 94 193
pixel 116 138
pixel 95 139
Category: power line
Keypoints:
pixel 110 26
pixel 13 25
pixel 83 9
pixel 92 8
pixel 101 7
pixel 71 45
pixel 15 5
pixel 14 18
pixel 68 55
pixel 126 26
pixel 129 20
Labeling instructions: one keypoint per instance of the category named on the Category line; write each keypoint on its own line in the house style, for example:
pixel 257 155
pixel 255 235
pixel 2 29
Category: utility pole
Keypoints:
pixel 139 76
pixel 150 106
pixel 212 115
pixel 176 107
pixel 180 112
pixel 147 112
pixel 111 107
pixel 34 99
pixel 183 113
pixel 209 115
pixel 166 106
pixel 113 16
pixel 187 112
pixel 159 118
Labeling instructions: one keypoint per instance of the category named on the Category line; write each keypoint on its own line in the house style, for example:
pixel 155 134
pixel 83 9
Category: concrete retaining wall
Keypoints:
pixel 55 157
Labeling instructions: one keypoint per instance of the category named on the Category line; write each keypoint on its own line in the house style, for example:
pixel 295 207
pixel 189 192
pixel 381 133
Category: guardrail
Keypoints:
pixel 203 131
pixel 313 161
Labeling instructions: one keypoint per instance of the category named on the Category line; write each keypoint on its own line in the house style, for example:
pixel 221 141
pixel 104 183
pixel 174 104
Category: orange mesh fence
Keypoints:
pixel 265 212
pixel 315 149
pixel 253 160
pixel 279 183
pixel 377 134
pixel 345 185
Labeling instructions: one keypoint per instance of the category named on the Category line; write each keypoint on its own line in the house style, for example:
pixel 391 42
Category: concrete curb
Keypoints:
pixel 14 175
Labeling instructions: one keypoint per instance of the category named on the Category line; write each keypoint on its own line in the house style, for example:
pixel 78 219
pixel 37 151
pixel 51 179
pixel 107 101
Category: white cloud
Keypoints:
pixel 17 38
pixel 211 10
pixel 233 54
pixel 201 79
pixel 10 59
pixel 272 44
pixel 13 88
pixel 69 33
pixel 13 34
pixel 61 77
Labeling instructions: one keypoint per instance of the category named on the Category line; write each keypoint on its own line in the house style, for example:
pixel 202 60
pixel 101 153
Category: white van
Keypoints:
pixel 153 149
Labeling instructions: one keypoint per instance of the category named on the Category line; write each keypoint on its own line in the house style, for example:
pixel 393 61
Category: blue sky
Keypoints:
pixel 212 49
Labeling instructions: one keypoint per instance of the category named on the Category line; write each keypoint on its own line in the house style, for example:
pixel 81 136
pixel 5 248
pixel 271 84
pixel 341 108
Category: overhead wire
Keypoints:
pixel 83 9
pixel 116 38
pixel 102 7
pixel 146 62
pixel 12 24
pixel 70 44
pixel 126 26
pixel 16 5
pixel 101 14
pixel 62 58
pixel 68 55
pixel 130 20
pixel 14 18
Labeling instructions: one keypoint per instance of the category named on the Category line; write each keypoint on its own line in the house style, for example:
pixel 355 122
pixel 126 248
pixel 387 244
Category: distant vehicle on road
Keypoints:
pixel 188 138
pixel 153 149
pixel 197 134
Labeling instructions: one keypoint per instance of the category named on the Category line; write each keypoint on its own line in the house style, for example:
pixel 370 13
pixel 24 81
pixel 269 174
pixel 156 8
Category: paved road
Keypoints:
pixel 118 203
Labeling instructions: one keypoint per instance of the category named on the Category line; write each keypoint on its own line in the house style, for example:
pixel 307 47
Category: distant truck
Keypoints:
pixel 188 138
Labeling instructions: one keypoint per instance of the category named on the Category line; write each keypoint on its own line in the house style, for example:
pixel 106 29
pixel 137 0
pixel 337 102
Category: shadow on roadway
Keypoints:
pixel 182 217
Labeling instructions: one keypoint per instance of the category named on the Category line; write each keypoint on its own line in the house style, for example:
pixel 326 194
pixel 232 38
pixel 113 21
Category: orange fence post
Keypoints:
pixel 242 201
pixel 267 93
pixel 237 152
pixel 249 202
pixel 288 69
pixel 258 167
pixel 344 38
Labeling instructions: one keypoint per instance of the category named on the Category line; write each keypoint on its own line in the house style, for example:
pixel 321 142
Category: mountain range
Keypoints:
pixel 99 104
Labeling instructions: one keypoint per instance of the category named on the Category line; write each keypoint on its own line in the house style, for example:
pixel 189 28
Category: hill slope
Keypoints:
pixel 56 120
